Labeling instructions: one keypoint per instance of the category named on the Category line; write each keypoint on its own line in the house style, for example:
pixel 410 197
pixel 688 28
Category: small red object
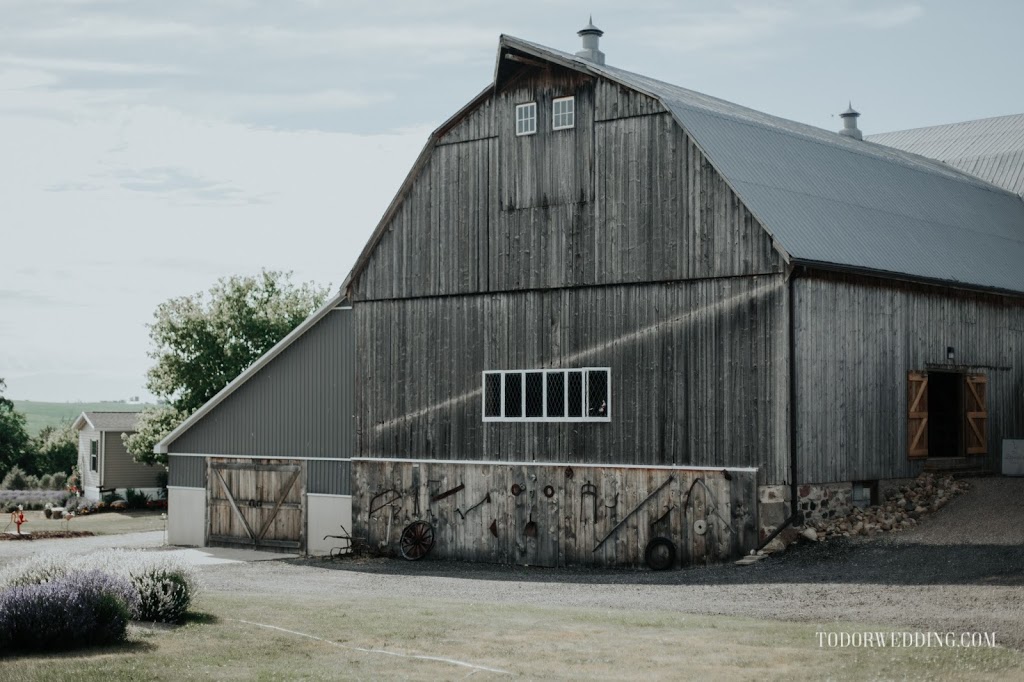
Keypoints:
pixel 19 518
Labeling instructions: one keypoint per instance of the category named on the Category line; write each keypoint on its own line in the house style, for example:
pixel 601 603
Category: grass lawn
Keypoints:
pixel 527 641
pixel 104 523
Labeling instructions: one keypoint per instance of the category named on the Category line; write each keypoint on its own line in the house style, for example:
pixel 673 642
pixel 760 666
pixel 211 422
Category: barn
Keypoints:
pixel 265 463
pixel 600 301
pixel 607 319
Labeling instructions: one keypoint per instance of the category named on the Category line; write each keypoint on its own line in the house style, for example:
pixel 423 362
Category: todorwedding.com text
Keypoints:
pixel 902 639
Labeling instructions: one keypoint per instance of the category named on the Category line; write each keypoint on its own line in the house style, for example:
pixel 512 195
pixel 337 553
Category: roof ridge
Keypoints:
pixel 971 121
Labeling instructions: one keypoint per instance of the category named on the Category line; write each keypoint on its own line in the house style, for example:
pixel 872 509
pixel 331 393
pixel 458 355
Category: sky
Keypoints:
pixel 149 148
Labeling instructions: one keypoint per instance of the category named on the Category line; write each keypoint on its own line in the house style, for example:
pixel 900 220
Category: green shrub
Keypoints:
pixel 46 482
pixel 59 481
pixel 112 497
pixel 16 479
pixel 136 499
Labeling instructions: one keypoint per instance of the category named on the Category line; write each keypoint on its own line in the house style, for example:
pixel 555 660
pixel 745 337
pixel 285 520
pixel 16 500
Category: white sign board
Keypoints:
pixel 1013 458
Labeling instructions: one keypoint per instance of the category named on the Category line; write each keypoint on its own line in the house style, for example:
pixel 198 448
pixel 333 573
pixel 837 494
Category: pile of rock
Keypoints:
pixel 903 508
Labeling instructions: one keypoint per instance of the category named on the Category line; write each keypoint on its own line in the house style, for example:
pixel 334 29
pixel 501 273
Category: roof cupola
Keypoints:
pixel 850 128
pixel 591 35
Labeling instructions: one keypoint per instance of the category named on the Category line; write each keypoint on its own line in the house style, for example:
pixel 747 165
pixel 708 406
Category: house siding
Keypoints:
pixel 120 470
pixel 856 340
pixel 186 472
pixel 90 479
pixel 299 405
pixel 698 373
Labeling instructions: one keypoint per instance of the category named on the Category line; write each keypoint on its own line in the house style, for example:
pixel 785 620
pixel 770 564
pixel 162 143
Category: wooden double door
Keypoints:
pixel 257 503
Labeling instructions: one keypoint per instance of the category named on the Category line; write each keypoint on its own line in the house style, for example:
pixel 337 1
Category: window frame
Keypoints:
pixel 94 455
pixel 584 394
pixel 554 113
pixel 524 106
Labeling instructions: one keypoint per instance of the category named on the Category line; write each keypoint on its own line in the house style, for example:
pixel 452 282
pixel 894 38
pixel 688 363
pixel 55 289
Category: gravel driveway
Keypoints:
pixel 961 570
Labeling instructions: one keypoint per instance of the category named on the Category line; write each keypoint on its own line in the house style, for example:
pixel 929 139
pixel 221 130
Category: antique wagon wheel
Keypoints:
pixel 660 554
pixel 417 540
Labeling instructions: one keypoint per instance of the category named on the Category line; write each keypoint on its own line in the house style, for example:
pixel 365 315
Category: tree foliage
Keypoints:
pixel 203 341
pixel 15 443
pixel 153 424
pixel 56 448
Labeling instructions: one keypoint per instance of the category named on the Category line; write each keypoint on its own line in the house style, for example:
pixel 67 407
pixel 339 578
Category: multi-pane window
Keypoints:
pixel 94 455
pixel 526 118
pixel 548 395
pixel 563 113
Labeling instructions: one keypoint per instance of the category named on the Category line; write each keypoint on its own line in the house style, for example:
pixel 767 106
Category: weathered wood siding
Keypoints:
pixel 698 373
pixel 574 509
pixel 623 197
pixel 856 340
pixel 120 470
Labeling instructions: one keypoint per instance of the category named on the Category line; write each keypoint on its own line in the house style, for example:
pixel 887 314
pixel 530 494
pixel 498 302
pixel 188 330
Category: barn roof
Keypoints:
pixel 831 201
pixel 107 421
pixel 990 148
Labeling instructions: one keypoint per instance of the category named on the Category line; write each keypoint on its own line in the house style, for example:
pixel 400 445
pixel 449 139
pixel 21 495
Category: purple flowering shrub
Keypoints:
pixel 80 609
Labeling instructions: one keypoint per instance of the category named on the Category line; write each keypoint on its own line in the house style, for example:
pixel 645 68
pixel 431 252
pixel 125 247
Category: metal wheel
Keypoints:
pixel 417 540
pixel 660 554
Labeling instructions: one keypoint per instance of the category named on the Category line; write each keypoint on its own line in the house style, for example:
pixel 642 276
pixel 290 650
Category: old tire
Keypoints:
pixel 417 540
pixel 660 554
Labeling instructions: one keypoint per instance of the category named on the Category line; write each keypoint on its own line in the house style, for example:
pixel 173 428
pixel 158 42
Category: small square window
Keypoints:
pixel 563 113
pixel 526 118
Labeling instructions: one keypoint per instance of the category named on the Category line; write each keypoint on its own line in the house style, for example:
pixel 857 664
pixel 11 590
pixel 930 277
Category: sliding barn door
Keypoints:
pixel 257 503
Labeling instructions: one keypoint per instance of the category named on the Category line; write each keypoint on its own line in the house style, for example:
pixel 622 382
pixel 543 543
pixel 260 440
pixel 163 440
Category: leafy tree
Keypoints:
pixel 14 439
pixel 56 448
pixel 203 341
pixel 153 424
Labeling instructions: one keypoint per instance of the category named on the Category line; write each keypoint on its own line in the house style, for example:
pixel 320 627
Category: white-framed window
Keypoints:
pixel 526 118
pixel 94 455
pixel 546 395
pixel 563 113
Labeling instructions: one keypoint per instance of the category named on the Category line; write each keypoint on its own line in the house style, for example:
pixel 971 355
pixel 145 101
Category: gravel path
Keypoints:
pixel 961 570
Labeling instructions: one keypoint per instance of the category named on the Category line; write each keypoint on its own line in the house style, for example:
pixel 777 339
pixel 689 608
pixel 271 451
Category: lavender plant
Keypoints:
pixel 81 609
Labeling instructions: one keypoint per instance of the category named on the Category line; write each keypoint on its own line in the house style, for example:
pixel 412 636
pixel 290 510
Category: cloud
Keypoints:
pixel 57 64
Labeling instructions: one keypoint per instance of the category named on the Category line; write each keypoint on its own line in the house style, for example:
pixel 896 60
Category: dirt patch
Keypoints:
pixel 47 535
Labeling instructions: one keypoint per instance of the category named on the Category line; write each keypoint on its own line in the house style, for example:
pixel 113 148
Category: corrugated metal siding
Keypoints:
pixel 120 470
pixel 857 339
pixel 329 477
pixel 299 405
pixel 186 472
pixel 698 373
pixel 830 199
pixel 991 149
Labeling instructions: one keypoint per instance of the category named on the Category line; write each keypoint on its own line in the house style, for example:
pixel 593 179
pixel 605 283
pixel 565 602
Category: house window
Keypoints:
pixel 531 395
pixel 526 118
pixel 563 113
pixel 94 455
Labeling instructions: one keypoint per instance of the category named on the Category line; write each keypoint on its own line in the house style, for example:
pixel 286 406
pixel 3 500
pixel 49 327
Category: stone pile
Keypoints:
pixel 903 508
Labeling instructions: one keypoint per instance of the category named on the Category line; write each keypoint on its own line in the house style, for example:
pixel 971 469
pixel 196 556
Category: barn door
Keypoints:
pixel 257 504
pixel 976 414
pixel 917 415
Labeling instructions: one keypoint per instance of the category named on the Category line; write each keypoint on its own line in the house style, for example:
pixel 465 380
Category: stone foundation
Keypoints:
pixel 824 501
pixel 773 507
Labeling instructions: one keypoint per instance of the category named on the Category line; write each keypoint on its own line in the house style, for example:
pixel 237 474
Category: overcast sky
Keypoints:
pixel 148 148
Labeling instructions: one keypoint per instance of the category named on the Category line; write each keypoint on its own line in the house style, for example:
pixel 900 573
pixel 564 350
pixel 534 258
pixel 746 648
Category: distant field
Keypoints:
pixel 39 415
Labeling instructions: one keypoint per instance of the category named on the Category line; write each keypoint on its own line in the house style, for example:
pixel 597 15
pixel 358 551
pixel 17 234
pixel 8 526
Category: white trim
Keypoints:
pixel 314 459
pixel 77 426
pixel 349 497
pixel 572 113
pixel 584 392
pixel 574 465
pixel 333 304
pixel 184 487
pixel 524 107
